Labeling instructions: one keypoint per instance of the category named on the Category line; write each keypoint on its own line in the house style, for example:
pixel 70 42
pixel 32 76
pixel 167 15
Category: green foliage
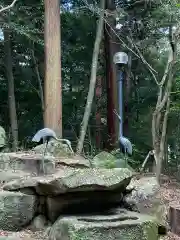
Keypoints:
pixel 121 160
pixel 115 159
pixel 78 26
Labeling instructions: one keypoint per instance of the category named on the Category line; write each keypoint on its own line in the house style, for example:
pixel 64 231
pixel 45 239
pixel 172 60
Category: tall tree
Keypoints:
pixel 53 92
pixel 160 115
pixel 92 84
pixel 11 95
pixel 111 74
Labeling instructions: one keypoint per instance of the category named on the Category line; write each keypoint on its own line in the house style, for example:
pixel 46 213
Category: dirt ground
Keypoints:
pixel 26 235
pixel 170 194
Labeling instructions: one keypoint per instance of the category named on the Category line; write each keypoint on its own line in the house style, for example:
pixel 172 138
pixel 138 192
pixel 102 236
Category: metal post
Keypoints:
pixel 121 102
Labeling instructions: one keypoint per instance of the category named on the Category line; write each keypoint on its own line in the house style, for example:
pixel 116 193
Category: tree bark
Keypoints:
pixel 174 219
pixel 53 88
pixel 111 48
pixel 92 79
pixel 98 112
pixel 11 92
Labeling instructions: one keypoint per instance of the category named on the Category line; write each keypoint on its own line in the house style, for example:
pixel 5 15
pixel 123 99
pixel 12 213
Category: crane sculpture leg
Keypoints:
pixel 125 155
pixel 125 143
pixel 45 141
pixel 45 148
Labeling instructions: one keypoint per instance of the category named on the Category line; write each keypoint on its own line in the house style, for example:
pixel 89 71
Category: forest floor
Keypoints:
pixel 26 235
pixel 169 193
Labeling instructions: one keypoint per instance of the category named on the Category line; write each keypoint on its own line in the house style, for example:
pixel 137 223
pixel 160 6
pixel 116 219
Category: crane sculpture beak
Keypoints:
pixel 69 145
pixel 67 142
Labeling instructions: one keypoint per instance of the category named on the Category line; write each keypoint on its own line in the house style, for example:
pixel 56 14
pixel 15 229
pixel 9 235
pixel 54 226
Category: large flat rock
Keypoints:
pixel 29 162
pixel 16 210
pixel 73 161
pixel 9 175
pixel 62 154
pixel 75 180
pixel 124 225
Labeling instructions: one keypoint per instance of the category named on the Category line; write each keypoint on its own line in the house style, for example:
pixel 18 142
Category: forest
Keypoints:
pixel 147 31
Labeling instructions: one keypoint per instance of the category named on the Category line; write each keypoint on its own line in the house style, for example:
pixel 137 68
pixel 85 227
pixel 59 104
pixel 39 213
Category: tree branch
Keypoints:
pixel 39 80
pixel 140 56
pixel 8 7
pixel 150 153
pixel 168 69
pixel 152 70
pixel 94 10
pixel 123 43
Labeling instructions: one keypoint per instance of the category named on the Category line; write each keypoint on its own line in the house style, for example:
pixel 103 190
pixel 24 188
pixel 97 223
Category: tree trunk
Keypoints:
pixel 174 219
pixel 53 89
pixel 160 115
pixel 166 157
pixel 111 48
pixel 92 79
pixel 11 95
pixel 98 112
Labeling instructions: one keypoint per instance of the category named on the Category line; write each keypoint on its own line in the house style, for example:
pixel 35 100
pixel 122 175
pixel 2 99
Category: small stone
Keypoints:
pixel 38 223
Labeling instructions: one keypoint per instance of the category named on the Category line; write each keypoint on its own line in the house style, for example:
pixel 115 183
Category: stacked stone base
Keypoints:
pixel 66 197
pixel 124 225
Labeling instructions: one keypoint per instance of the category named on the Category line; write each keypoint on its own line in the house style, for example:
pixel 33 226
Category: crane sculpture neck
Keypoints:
pixel 61 139
pixel 66 141
pixel 120 121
